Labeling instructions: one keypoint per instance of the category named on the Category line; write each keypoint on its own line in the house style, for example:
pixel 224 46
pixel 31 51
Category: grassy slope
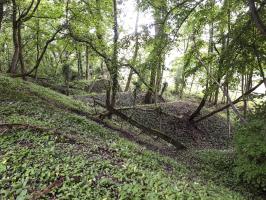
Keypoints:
pixel 88 161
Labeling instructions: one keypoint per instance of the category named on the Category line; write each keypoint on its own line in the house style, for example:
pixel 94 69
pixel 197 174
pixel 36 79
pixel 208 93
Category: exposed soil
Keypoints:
pixel 170 118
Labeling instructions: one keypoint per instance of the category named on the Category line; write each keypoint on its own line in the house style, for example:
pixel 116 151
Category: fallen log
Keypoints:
pixel 27 126
pixel 228 105
pixel 56 184
pixel 177 144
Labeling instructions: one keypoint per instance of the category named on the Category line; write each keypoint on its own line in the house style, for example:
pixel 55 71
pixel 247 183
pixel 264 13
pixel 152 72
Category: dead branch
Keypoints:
pixel 177 144
pixel 145 129
pixel 228 105
pixel 56 184
pixel 242 119
pixel 26 126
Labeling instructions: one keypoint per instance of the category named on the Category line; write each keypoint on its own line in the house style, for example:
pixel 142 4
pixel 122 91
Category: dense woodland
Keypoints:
pixel 132 99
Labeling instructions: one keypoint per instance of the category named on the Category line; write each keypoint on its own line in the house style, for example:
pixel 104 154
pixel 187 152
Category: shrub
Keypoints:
pixel 250 143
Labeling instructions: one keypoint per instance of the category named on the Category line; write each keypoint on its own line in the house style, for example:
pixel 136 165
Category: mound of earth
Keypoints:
pixel 123 98
pixel 172 119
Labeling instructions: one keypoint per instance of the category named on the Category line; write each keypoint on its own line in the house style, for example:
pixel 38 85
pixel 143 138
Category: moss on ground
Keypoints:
pixel 87 161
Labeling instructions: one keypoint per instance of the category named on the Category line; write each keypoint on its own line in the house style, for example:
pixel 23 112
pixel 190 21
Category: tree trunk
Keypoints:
pixel 201 105
pixel 256 18
pixel 228 112
pixel 80 69
pixel 177 144
pixel 15 26
pixel 37 44
pixel 114 66
pixel 148 97
pixel 229 104
pixel 225 93
pixel 258 57
pixel 1 13
pixel 135 51
pixel 21 58
pixel 87 63
pixel 157 60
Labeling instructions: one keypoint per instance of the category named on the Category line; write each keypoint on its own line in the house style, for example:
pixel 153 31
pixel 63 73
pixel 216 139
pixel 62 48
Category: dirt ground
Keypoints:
pixel 171 119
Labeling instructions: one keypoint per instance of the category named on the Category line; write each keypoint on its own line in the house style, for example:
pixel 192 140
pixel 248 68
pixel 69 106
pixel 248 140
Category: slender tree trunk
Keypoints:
pixel 114 73
pixel 15 26
pixel 258 57
pixel 210 52
pixel 243 89
pixel 226 94
pixel 21 58
pixel 247 86
pixel 158 60
pixel 160 34
pixel 208 91
pixel 41 54
pixel 216 94
pixel 136 49
pixel 228 111
pixel 256 18
pixel 78 55
pixel 1 13
pixel 159 75
pixel 148 97
pixel 202 103
pixel 80 65
pixel 15 58
pixel 87 62
pixel 37 44
pixel 129 80
pixel 229 103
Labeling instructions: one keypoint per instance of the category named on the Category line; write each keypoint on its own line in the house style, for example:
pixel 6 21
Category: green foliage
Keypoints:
pixel 216 165
pixel 21 90
pixel 250 145
pixel 94 162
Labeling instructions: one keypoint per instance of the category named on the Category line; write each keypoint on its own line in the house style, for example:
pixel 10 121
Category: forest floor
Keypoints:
pixel 171 118
pixel 53 147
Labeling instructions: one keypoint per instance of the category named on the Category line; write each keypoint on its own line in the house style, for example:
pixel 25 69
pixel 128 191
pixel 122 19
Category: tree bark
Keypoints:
pixel 114 70
pixel 37 43
pixel 87 63
pixel 157 59
pixel 229 104
pixel 21 58
pixel 79 63
pixel 259 64
pixel 15 58
pixel 135 51
pixel 225 93
pixel 41 55
pixel 16 26
pixel 1 13
pixel 256 18
pixel 201 105
pixel 177 144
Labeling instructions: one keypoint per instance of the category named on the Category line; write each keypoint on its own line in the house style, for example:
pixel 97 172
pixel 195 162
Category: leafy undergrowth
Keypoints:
pixel 83 160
